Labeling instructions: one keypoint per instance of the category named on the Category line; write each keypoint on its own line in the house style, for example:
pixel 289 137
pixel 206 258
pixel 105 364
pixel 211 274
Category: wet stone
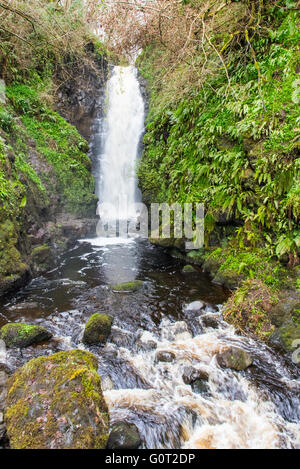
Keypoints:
pixel 200 386
pixel 124 435
pixel 191 374
pixel 195 306
pixel 211 320
pixel 121 338
pixel 165 357
pixel 234 358
pixel 146 346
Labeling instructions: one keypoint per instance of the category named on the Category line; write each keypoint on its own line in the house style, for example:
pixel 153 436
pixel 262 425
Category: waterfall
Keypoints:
pixel 122 131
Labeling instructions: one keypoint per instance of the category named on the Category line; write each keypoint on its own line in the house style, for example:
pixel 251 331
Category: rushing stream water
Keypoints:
pixel 174 312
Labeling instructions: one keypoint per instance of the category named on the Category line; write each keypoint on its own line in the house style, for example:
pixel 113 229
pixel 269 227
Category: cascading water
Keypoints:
pixel 255 408
pixel 122 130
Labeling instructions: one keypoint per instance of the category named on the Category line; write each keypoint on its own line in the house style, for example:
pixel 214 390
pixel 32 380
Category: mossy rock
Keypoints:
pixel 133 286
pixel 11 262
pixel 188 269
pixel 230 280
pixel 196 256
pixel 234 358
pixel 286 336
pixel 286 307
pixel 23 335
pixel 124 435
pixel 42 258
pixel 97 329
pixel 56 402
pixel 163 242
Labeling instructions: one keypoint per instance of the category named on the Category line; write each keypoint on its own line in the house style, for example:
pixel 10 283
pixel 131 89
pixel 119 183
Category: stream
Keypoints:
pixel 175 314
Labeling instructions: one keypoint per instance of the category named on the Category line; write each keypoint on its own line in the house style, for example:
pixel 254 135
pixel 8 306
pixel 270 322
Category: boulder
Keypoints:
pixel 188 269
pixel 210 320
pixel 234 358
pixel 97 329
pixel 21 335
pixel 133 286
pixel 287 337
pixel 191 374
pixel 200 386
pixel 195 306
pixel 56 402
pixel 230 280
pixel 124 435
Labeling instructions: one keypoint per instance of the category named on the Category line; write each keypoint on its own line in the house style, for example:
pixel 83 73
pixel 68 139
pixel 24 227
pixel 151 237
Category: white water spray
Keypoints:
pixel 123 128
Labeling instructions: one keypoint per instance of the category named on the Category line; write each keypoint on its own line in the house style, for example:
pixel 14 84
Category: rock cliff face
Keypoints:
pixel 80 100
pixel 47 188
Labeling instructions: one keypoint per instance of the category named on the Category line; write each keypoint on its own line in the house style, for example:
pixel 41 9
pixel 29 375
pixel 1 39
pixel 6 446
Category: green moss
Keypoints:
pixel 63 147
pixel 288 334
pixel 189 268
pixel 133 286
pixel 10 258
pixel 232 265
pixel 41 250
pixel 97 329
pixel 249 309
pixel 225 145
pixel 23 335
pixel 64 409
pixel 196 256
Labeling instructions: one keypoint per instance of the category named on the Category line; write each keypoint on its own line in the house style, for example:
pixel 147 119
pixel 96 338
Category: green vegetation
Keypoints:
pixel 57 141
pixel 247 264
pixel 44 167
pixel 233 144
pixel 223 129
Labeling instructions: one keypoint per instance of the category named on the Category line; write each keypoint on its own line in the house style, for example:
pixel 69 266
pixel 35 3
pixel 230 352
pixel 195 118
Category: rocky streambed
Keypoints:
pixel 173 373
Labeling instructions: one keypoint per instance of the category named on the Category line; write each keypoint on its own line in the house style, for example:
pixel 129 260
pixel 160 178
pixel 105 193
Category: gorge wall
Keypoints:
pixel 47 196
pixel 222 130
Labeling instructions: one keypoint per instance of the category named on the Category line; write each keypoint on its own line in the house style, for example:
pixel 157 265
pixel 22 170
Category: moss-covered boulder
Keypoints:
pixel 163 242
pixel 234 358
pixel 287 336
pixel 132 286
pixel 23 335
pixel 124 435
pixel 97 329
pixel 188 269
pixel 56 402
pixel 42 258
pixel 228 279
